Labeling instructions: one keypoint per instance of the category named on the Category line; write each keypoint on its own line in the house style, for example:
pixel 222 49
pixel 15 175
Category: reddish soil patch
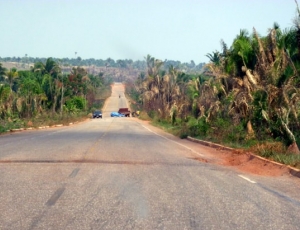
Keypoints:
pixel 248 163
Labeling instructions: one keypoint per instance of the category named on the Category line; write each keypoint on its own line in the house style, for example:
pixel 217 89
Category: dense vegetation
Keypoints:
pixel 45 93
pixel 248 94
pixel 50 90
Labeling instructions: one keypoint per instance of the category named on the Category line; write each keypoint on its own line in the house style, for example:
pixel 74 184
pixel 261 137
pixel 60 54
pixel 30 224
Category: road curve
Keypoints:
pixel 120 173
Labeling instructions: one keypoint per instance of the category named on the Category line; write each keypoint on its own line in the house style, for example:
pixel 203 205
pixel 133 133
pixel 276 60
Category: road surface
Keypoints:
pixel 120 173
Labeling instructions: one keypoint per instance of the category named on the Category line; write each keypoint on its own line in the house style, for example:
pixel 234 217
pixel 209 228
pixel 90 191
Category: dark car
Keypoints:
pixel 116 114
pixel 97 114
pixel 124 111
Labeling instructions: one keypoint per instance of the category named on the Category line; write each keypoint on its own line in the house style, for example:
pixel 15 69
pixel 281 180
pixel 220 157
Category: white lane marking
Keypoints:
pixel 247 179
pixel 173 141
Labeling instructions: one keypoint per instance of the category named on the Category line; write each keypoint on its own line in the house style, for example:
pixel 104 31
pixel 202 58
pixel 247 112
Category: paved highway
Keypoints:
pixel 120 173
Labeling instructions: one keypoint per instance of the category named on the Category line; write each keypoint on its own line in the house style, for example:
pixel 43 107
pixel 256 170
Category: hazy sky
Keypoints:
pixel 181 30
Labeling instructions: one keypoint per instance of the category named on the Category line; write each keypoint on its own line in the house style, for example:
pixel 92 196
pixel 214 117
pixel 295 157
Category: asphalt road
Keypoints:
pixel 120 173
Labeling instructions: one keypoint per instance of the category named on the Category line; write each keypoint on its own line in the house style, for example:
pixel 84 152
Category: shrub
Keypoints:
pixel 192 126
pixel 197 127
pixel 269 149
pixel 144 116
pixel 152 114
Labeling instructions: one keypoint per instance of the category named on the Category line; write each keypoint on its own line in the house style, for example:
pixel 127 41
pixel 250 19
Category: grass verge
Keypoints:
pixel 42 120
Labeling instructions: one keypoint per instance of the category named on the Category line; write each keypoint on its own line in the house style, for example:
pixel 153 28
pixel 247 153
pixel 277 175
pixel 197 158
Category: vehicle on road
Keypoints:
pixel 124 111
pixel 116 114
pixel 135 113
pixel 97 114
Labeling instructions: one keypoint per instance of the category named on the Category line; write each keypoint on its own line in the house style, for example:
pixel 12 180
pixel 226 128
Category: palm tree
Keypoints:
pixel 153 66
pixel 2 71
pixel 5 100
pixel 11 76
pixel 153 84
pixel 277 78
pixel 32 95
pixel 51 83
pixel 50 67
pixel 214 57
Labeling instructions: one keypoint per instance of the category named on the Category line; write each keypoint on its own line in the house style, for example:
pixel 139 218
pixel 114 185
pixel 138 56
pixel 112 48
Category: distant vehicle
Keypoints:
pixel 116 114
pixel 124 111
pixel 135 113
pixel 97 114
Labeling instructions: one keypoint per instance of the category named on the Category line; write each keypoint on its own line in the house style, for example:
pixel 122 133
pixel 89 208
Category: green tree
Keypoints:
pixel 2 72
pixel 51 83
pixel 5 101
pixel 32 95
pixel 11 76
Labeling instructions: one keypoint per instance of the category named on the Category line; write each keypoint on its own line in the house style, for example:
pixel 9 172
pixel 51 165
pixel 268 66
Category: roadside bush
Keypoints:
pixel 235 133
pixel 152 114
pixel 197 127
pixel 10 124
pixel 203 126
pixel 183 131
pixel 192 127
pixel 144 116
pixel 269 149
pixel 75 105
pixel 223 131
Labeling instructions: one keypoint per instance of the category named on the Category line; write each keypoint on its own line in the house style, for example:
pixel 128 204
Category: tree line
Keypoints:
pixel 109 62
pixel 46 89
pixel 249 90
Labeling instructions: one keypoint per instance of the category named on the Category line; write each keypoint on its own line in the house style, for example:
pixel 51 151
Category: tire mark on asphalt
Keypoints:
pixel 55 196
pixel 36 220
pixel 193 221
pixel 280 195
pixel 74 173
